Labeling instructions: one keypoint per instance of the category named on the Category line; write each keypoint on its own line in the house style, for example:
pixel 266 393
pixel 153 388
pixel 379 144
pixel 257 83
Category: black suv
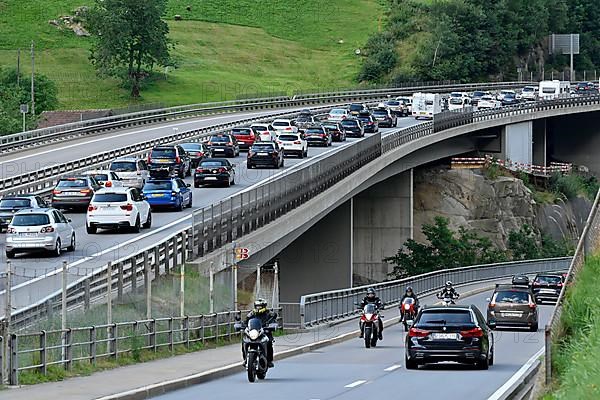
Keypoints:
pixel 223 146
pixel 353 127
pixel 385 117
pixel 165 161
pixel 265 153
pixel 368 122
pixel 547 287
pixel 452 333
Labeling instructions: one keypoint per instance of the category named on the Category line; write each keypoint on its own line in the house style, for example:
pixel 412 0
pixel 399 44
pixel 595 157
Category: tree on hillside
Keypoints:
pixel 130 38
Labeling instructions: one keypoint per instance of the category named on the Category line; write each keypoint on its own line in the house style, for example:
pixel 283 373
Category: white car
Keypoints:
pixel 293 143
pixel 105 178
pixel 133 172
pixel 266 132
pixel 338 114
pixel 505 92
pixel 529 93
pixel 284 126
pixel 39 229
pixel 486 102
pixel 118 207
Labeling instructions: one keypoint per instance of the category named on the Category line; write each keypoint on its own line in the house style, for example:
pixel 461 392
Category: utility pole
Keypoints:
pixel 32 80
pixel 571 54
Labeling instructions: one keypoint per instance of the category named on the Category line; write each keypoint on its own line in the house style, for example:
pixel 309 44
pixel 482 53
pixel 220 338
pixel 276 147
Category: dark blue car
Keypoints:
pixel 169 192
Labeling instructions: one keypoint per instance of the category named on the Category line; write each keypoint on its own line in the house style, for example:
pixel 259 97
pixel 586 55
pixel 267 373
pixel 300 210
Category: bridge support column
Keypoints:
pixel 382 222
pixel 539 142
pixel 320 259
pixel 517 143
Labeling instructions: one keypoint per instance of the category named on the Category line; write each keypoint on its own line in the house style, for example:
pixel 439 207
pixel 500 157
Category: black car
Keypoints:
pixel 546 287
pixel 450 333
pixel 74 192
pixel 223 146
pixel 9 205
pixel 265 154
pixel 165 161
pixel 214 171
pixel 353 127
pixel 196 152
pixel 317 135
pixel 357 108
pixel 385 118
pixel 337 131
pixel 509 100
pixel 369 123
pixel 586 88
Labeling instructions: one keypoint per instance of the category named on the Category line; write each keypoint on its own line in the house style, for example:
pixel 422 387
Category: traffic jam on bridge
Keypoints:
pixel 134 197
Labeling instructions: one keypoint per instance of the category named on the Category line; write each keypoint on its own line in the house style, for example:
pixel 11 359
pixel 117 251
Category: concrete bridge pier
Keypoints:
pixel 383 221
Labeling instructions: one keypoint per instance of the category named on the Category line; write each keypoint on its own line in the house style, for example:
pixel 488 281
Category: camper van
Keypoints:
pixel 426 105
pixel 555 89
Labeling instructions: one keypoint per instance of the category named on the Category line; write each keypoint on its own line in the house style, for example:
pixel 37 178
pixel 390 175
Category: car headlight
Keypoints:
pixel 253 334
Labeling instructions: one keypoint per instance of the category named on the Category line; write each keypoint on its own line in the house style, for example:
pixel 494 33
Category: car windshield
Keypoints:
pixel 68 183
pixel 211 164
pixel 288 138
pixel 158 185
pixel 314 131
pixel 262 147
pixel 337 111
pixel 512 296
pixel 486 98
pixel 30 220
pixel 356 107
pixel 552 280
pixel 528 89
pixel 446 317
pixel 393 103
pixel 123 166
pixel 349 123
pixel 332 127
pixel 101 177
pixel 166 153
pixel 456 100
pixel 455 95
pixel 242 131
pixel 15 203
pixel 260 128
pixel 192 146
pixel 281 123
pixel 478 94
pixel 110 198
pixel 219 139
pixel 380 112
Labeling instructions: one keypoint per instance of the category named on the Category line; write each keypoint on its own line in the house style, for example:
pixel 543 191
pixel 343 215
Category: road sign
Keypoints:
pixel 242 253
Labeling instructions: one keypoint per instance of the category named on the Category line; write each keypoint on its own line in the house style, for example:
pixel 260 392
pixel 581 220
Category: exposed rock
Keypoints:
pixel 492 208
pixel 80 30
pixel 177 17
pixel 54 22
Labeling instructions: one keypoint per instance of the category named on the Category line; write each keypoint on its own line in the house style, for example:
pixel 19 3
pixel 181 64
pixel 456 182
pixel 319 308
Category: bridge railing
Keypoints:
pixel 334 305
pixel 37 351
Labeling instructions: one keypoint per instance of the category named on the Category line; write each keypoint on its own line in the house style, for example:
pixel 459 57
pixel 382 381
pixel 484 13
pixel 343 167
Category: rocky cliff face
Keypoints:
pixel 492 208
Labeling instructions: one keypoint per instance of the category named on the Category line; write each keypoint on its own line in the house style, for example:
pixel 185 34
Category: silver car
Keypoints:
pixel 39 229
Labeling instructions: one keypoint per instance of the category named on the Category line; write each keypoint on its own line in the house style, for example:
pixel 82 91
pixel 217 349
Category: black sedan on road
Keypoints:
pixel 318 135
pixel 510 100
pixel 337 131
pixel 196 151
pixel 547 287
pixel 453 333
pixel 265 154
pixel 353 127
pixel 214 171
pixel 223 146
pixel 369 123
pixel 384 117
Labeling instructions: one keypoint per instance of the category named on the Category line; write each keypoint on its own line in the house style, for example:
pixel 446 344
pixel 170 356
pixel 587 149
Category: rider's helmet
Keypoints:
pixel 409 291
pixel 448 284
pixel 371 293
pixel 260 306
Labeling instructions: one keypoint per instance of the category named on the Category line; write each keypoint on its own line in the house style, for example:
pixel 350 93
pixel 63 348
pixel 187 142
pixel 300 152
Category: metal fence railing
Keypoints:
pixel 335 305
pixel 38 351
pixel 247 211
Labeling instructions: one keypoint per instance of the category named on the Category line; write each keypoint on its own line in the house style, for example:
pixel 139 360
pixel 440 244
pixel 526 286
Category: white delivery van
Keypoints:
pixel 426 105
pixel 549 90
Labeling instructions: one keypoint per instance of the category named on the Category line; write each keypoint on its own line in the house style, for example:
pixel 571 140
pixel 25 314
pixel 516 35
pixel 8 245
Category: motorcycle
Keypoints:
pixel 370 322
pixel 447 299
pixel 254 342
pixel 408 312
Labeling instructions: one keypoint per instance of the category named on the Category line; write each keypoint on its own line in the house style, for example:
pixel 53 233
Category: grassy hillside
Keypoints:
pixel 225 49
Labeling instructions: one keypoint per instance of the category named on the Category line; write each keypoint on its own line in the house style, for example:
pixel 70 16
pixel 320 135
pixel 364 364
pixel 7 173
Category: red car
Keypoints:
pixel 245 137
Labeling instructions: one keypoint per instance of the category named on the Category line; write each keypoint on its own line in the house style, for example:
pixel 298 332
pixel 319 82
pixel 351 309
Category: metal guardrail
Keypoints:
pixel 71 131
pixel 245 212
pixel 336 305
pixel 37 351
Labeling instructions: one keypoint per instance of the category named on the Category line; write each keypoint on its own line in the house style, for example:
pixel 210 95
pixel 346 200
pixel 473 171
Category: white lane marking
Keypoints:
pixel 355 384
pixel 392 368
pixel 498 394
pixel 127 134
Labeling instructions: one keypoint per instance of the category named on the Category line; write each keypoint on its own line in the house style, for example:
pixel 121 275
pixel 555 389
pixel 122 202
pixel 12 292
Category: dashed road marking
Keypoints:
pixel 355 384
pixel 392 368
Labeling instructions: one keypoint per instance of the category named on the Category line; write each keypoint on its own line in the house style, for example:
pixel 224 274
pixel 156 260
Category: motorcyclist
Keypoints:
pixel 371 297
pixel 266 316
pixel 409 293
pixel 448 291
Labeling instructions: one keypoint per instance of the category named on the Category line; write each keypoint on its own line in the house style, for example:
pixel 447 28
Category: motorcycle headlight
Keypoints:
pixel 253 334
pixel 406 307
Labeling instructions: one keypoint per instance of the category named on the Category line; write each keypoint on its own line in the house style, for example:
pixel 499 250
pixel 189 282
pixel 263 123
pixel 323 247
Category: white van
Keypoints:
pixel 549 90
pixel 426 105
pixel 458 101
